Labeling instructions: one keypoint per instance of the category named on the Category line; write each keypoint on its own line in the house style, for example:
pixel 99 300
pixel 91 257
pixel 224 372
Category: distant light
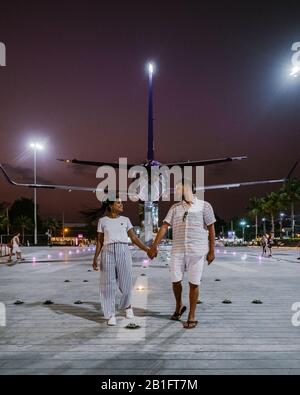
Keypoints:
pixel 295 71
pixel 140 288
pixel 150 68
pixel 36 145
pixel 243 223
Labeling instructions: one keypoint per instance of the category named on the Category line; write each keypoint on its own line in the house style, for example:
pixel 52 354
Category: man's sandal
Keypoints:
pixel 176 316
pixel 190 324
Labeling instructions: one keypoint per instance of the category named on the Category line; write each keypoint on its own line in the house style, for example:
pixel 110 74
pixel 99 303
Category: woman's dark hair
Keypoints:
pixel 107 203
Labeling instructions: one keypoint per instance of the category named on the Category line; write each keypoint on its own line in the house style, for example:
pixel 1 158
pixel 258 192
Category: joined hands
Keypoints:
pixel 152 251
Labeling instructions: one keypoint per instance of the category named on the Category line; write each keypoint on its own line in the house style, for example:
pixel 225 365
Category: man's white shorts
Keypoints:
pixel 16 249
pixel 192 264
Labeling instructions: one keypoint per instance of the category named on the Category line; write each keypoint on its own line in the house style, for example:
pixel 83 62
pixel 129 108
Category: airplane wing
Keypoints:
pixel 115 165
pixel 240 184
pixel 250 183
pixel 47 186
pixel 92 189
pixel 206 162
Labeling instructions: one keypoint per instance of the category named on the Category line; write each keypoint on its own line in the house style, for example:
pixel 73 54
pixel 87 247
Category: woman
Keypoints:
pixel 115 262
pixel 270 243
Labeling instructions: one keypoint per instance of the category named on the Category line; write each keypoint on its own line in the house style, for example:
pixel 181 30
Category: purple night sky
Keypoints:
pixel 75 80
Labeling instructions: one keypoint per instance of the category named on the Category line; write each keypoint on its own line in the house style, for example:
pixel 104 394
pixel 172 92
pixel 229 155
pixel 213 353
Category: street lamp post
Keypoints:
pixel 264 225
pixel 243 225
pixel 280 222
pixel 149 205
pixel 35 146
pixel 150 154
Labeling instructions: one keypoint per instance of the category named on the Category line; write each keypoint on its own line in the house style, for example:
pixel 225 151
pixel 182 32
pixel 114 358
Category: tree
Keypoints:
pixel 22 206
pixel 52 224
pixel 255 209
pixel 25 223
pixel 270 205
pixel 3 221
pixel 3 206
pixel 91 215
pixel 290 195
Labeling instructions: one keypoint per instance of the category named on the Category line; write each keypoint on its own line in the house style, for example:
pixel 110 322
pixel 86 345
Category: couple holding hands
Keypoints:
pixel 192 221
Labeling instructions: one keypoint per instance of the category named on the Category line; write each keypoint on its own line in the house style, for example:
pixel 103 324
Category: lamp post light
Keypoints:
pixel 281 215
pixel 264 225
pixel 36 147
pixel 243 225
pixel 295 71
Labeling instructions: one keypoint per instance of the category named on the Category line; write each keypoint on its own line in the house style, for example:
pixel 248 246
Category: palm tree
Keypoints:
pixel 52 225
pixel 3 221
pixel 24 223
pixel 290 195
pixel 270 205
pixel 2 207
pixel 91 215
pixel 255 209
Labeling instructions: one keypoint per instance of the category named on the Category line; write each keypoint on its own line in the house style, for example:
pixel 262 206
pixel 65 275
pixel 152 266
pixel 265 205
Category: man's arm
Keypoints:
pixel 99 245
pixel 160 235
pixel 211 243
pixel 135 240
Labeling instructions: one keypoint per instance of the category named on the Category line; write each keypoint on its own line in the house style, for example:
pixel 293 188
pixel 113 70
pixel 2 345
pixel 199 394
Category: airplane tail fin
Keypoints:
pixel 290 173
pixel 150 148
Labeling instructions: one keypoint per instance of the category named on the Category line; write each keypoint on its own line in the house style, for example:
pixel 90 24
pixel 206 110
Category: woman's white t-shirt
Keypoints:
pixel 114 229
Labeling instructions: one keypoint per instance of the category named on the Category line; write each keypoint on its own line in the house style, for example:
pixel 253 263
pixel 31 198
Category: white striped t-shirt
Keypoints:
pixel 189 226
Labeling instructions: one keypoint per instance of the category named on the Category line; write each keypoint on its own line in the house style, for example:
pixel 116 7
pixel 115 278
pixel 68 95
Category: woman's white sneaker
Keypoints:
pixel 129 313
pixel 112 321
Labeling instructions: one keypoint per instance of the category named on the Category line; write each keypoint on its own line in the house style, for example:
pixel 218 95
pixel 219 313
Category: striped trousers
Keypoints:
pixel 115 270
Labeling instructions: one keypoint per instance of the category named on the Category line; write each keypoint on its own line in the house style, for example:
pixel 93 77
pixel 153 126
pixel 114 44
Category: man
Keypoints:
pixel 192 221
pixel 15 242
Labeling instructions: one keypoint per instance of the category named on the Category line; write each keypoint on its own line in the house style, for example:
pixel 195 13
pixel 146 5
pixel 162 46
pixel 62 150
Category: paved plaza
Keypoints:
pixel 67 338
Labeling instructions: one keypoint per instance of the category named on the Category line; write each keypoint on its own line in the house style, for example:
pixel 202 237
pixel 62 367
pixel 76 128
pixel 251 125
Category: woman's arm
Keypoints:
pixel 135 240
pixel 99 245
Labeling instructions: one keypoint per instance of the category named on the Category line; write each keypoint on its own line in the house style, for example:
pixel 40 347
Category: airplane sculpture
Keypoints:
pixel 150 207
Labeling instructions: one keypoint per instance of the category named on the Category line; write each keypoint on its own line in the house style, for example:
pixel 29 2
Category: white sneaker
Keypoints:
pixel 112 321
pixel 129 313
